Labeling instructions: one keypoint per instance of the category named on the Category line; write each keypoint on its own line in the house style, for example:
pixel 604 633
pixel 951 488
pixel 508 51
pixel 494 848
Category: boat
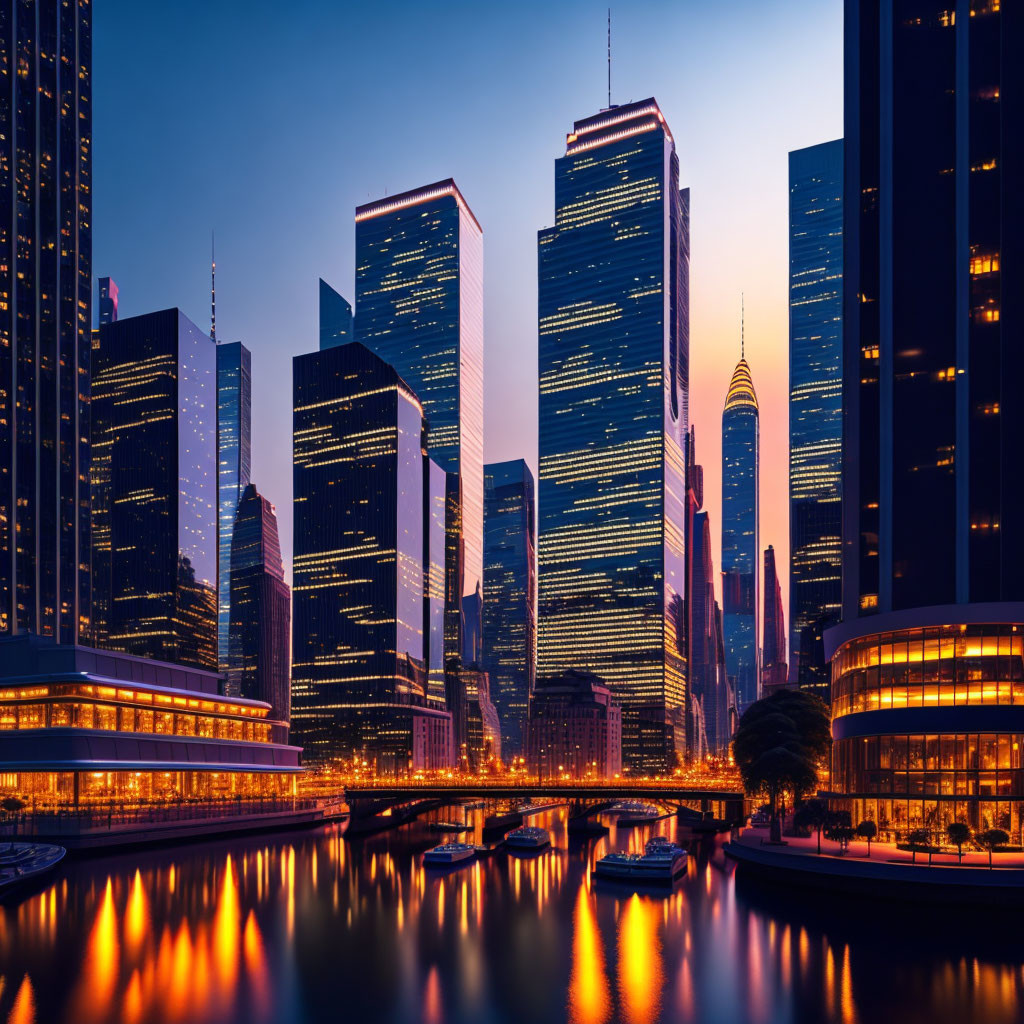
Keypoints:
pixel 661 861
pixel 528 837
pixel 635 812
pixel 448 826
pixel 23 865
pixel 449 853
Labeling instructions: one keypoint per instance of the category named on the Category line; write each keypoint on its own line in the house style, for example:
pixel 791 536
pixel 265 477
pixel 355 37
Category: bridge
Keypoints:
pixel 376 804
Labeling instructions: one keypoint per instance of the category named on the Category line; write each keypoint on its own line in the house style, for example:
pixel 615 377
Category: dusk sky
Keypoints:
pixel 269 123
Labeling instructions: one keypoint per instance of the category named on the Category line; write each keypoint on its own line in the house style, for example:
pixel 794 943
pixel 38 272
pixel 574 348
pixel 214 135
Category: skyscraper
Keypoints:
pixel 773 648
pixel 815 399
pixel 155 418
pixel 419 306
pixel 108 300
pixel 613 305
pixel 740 544
pixel 360 658
pixel 45 302
pixel 259 665
pixel 336 323
pixel 234 460
pixel 510 595
pixel 928 661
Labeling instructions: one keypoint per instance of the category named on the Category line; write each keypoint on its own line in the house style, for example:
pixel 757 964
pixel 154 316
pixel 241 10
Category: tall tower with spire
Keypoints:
pixel 740 528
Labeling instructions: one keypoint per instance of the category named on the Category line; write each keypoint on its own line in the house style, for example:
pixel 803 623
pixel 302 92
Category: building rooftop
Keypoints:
pixel 741 388
pixel 423 194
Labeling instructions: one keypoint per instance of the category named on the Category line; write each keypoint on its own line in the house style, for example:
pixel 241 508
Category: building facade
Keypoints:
pixel 336 321
pixel 574 728
pixel 419 306
pixel 774 670
pixel 740 535
pixel 45 303
pixel 108 301
pixel 154 415
pixel 510 595
pixel 234 464
pixel 613 355
pixel 360 657
pixel 927 660
pixel 815 399
pixel 259 648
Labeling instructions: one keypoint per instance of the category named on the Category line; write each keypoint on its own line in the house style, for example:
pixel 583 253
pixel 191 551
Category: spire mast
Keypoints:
pixel 609 57
pixel 213 288
pixel 742 352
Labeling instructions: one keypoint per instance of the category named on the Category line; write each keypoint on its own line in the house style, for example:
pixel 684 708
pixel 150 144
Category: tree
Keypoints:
pixel 867 829
pixel 813 814
pixel 958 833
pixel 841 832
pixel 990 839
pixel 919 837
pixel 780 741
pixel 12 806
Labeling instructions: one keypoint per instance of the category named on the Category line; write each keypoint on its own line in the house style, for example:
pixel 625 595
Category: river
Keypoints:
pixel 307 926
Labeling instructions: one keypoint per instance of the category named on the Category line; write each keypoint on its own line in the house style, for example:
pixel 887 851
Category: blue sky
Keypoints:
pixel 270 122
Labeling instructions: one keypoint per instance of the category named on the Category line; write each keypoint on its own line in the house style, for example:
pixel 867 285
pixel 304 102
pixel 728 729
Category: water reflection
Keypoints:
pixel 310 927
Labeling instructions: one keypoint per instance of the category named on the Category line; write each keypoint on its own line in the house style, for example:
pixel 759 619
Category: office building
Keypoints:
pixel 336 322
pixel 419 306
pixel 740 542
pixel 815 398
pixel 259 662
pixel 774 669
pixel 613 306
pixel 234 462
pixel 510 595
pixel 482 731
pixel 154 416
pixel 45 303
pixel 108 301
pixel 928 662
pixel 574 728
pixel 360 657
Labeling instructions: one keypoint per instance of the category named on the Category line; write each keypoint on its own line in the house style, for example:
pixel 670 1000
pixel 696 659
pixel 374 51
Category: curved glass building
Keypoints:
pixel 740 542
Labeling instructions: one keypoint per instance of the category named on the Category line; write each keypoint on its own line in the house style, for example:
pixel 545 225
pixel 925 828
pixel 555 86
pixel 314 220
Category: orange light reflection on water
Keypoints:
pixel 640 968
pixel 589 996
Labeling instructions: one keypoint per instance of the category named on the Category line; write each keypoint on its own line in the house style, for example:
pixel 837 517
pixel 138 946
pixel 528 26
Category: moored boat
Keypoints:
pixel 449 853
pixel 528 837
pixel 448 826
pixel 661 862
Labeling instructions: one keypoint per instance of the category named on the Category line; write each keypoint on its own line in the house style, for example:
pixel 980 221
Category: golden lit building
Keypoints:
pixel 82 729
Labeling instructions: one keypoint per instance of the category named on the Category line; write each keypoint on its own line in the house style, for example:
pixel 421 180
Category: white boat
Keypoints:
pixel 528 837
pixel 449 853
pixel 659 843
pixel 662 862
pixel 635 812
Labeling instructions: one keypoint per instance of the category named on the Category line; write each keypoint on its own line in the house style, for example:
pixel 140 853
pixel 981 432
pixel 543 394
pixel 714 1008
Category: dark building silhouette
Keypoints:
pixel 154 417
pixel 361 662
pixel 234 464
pixel 774 669
pixel 45 303
pixel 574 728
pixel 928 662
pixel 510 596
pixel 259 663
pixel 740 525
pixel 108 301
pixel 336 322
pixel 613 308
pixel 815 398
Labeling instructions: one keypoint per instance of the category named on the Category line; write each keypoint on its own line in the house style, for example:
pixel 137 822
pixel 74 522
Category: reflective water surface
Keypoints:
pixel 307 926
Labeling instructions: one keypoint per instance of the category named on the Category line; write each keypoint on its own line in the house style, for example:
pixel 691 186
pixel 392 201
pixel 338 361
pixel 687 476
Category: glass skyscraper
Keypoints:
pixel 419 306
pixel 155 416
pixel 613 306
pixel 815 400
pixel 774 670
pixel 108 300
pixel 234 461
pixel 741 550
pixel 45 302
pixel 510 596
pixel 336 322
pixel 364 565
pixel 259 665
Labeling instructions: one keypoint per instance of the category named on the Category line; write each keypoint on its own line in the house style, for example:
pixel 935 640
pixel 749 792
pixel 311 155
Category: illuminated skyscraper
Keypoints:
pixel 260 641
pixel 108 300
pixel 613 278
pixel 365 536
pixel 773 648
pixel 419 306
pixel 336 325
pixel 510 595
pixel 815 399
pixel 45 302
pixel 234 432
pixel 740 545
pixel 155 417
pixel 928 661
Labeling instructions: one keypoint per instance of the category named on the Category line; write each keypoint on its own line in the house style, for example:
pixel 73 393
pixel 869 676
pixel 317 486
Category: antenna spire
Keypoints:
pixel 213 288
pixel 742 352
pixel 609 57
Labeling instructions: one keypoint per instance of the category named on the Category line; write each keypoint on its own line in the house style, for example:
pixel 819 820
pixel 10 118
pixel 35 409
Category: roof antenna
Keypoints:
pixel 609 58
pixel 741 327
pixel 213 289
